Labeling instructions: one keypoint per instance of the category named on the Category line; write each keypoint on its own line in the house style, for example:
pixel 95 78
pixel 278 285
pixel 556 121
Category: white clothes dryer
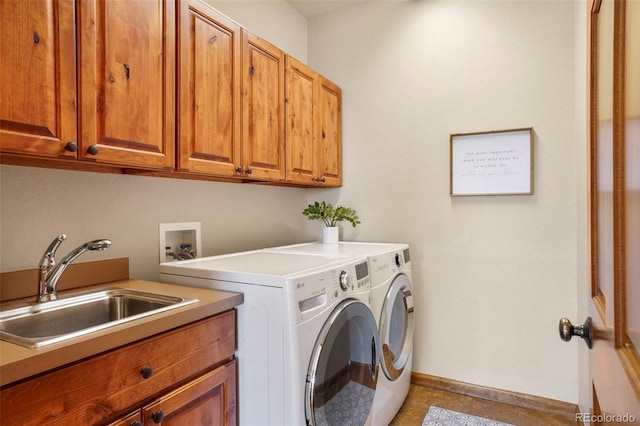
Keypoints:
pixel 392 298
pixel 392 304
pixel 307 338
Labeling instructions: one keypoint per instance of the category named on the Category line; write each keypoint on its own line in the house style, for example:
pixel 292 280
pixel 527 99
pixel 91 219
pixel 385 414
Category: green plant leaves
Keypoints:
pixel 329 215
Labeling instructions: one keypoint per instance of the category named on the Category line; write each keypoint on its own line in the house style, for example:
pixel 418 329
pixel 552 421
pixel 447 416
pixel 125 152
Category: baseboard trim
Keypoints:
pixel 547 405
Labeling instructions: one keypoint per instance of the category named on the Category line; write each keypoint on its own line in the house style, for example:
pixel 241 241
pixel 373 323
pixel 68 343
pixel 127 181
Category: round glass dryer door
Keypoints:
pixel 396 327
pixel 342 373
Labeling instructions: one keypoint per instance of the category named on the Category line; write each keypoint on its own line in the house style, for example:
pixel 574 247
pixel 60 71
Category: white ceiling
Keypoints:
pixel 312 8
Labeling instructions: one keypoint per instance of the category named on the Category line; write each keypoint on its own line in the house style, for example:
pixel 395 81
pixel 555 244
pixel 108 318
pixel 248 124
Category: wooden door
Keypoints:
pixel 262 109
pixel 301 99
pixel 330 133
pixel 209 98
pixel 37 77
pixel 615 210
pixel 207 400
pixel 127 82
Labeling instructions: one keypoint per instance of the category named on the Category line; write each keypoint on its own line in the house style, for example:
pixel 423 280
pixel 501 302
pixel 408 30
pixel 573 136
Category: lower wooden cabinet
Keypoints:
pixel 184 374
pixel 208 400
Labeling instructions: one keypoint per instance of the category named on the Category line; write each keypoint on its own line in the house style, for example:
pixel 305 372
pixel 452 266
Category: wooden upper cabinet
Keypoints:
pixel 262 109
pixel 301 123
pixel 209 98
pixel 37 77
pixel 127 82
pixel 313 127
pixel 142 85
pixel 330 133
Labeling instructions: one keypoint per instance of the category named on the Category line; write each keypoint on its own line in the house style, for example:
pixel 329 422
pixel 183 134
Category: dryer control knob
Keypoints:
pixel 344 280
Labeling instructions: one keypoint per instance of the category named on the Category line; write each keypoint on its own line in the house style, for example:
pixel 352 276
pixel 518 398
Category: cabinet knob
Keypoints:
pixel 157 416
pixel 146 372
pixel 93 149
pixel 249 170
pixel 239 170
pixel 71 146
pixel 320 180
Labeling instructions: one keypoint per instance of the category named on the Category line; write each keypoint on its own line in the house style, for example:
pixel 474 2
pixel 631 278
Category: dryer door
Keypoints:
pixel 342 373
pixel 396 327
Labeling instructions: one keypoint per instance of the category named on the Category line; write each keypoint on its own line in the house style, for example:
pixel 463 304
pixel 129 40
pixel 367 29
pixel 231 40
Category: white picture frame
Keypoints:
pixel 498 162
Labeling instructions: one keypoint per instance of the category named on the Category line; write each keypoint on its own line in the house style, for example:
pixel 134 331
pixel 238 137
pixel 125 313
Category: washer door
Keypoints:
pixel 396 327
pixel 342 373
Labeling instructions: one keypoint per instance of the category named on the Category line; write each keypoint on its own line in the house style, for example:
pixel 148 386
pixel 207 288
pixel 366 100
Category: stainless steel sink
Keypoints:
pixel 40 324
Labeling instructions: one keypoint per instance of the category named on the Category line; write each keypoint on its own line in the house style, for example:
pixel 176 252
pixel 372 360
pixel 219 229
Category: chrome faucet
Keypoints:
pixel 50 271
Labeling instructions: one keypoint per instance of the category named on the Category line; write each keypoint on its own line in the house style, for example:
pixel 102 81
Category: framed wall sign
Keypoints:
pixel 492 163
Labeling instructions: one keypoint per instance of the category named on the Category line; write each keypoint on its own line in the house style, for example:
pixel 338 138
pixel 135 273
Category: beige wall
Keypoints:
pixel 38 204
pixel 275 21
pixel 492 275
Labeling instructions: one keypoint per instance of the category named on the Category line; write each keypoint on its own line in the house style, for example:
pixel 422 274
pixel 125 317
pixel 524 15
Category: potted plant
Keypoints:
pixel 330 216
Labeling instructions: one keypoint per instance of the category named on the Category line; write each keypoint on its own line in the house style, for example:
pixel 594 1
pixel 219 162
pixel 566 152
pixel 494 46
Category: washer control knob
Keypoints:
pixel 398 260
pixel 345 280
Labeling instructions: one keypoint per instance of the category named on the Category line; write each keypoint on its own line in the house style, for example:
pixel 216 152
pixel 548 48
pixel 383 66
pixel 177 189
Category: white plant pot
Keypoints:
pixel 330 234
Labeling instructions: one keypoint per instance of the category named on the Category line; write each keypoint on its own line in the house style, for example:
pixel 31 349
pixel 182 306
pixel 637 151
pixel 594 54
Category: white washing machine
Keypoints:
pixel 392 305
pixel 307 338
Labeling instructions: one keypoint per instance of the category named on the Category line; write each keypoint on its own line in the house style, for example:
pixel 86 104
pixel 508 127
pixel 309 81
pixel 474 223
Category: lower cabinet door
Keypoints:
pixel 132 419
pixel 209 400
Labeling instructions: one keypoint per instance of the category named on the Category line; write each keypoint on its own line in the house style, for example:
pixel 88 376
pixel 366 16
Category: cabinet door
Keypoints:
pixel 330 133
pixel 133 419
pixel 100 388
pixel 37 77
pixel 263 109
pixel 127 82
pixel 301 97
pixel 209 97
pixel 208 400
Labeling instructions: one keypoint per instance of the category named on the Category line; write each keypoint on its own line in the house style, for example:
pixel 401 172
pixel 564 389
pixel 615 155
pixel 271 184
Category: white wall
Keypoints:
pixel 275 21
pixel 492 275
pixel 38 204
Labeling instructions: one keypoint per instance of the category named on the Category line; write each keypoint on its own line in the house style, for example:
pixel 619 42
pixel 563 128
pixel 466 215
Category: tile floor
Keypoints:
pixel 420 398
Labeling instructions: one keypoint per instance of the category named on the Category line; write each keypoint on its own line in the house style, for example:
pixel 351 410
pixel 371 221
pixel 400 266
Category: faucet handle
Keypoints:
pixel 48 260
